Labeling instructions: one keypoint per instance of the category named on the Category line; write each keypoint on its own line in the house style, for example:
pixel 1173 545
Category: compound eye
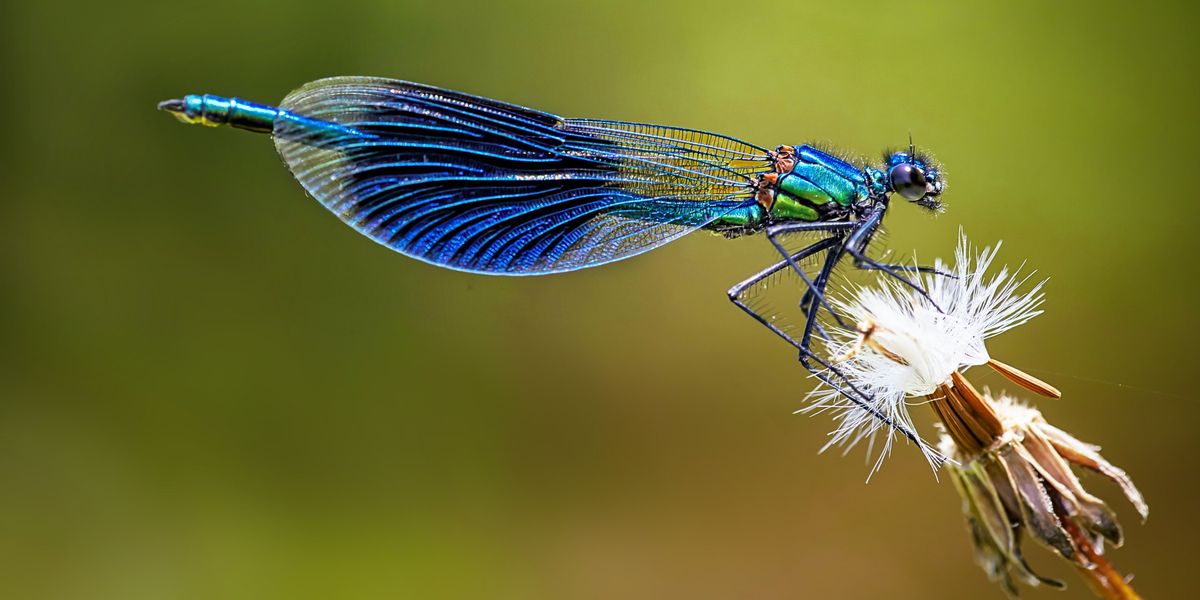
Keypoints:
pixel 908 181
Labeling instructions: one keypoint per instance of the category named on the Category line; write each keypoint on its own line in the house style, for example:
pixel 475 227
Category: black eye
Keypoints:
pixel 908 181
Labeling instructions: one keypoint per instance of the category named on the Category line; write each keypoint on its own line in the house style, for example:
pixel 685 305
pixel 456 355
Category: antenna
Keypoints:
pixel 912 152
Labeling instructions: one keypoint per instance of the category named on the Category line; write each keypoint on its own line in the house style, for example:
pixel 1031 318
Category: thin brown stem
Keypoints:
pixel 1103 578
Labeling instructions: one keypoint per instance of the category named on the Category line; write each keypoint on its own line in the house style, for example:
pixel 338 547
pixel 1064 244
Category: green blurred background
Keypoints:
pixel 213 389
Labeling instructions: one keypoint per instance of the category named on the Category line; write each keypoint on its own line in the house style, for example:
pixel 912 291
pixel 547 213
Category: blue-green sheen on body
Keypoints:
pixel 214 111
pixel 792 208
pixel 840 180
pixel 746 216
pixel 819 185
pixel 799 186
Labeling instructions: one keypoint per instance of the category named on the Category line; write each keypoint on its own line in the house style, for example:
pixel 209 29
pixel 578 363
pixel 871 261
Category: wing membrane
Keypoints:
pixel 480 185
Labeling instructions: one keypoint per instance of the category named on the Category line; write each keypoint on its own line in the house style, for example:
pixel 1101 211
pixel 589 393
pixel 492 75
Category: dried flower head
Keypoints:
pixel 1023 482
pixel 1012 468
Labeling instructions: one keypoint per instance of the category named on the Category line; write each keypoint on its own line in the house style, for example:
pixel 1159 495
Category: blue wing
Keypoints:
pixel 479 185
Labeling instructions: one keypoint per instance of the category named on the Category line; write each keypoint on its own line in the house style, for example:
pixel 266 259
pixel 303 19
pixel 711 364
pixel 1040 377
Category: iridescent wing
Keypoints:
pixel 479 185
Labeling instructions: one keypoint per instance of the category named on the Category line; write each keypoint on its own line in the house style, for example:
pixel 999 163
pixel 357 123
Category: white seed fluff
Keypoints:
pixel 974 307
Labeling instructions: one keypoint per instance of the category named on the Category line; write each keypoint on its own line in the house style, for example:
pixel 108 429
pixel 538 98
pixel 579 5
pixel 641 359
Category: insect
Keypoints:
pixel 479 185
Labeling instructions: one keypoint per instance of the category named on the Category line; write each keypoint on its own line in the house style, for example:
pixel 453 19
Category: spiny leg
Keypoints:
pixel 907 269
pixel 736 291
pixel 856 244
pixel 904 268
pixel 814 297
pixel 866 263
pixel 817 291
pixel 860 234
pixel 805 301
pixel 823 369
pixel 836 230
pixel 825 372
pixel 849 391
pixel 808 304
pixel 811 303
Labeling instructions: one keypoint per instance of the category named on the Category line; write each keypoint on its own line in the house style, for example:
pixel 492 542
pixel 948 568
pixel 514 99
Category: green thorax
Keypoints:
pixel 819 186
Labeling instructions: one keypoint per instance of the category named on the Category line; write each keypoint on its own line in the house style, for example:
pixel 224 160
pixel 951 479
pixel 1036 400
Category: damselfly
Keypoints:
pixel 484 186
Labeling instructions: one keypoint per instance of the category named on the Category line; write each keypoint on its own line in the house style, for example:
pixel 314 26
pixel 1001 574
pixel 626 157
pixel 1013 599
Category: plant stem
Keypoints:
pixel 1103 578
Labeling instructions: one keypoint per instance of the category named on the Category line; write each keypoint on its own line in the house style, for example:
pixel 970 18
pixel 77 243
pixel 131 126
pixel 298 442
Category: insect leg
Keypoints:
pixel 735 292
pixel 852 393
pixel 836 230
pixel 822 369
pixel 864 262
pixel 907 269
pixel 857 242
pixel 827 372
pixel 817 291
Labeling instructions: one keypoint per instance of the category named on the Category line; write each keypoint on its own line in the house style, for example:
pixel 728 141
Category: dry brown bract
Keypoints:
pixel 1013 470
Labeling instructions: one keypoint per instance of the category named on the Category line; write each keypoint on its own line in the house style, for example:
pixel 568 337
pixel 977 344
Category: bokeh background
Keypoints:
pixel 210 388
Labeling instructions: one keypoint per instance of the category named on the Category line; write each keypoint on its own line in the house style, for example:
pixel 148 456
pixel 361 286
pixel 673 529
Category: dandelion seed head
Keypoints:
pixel 915 347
